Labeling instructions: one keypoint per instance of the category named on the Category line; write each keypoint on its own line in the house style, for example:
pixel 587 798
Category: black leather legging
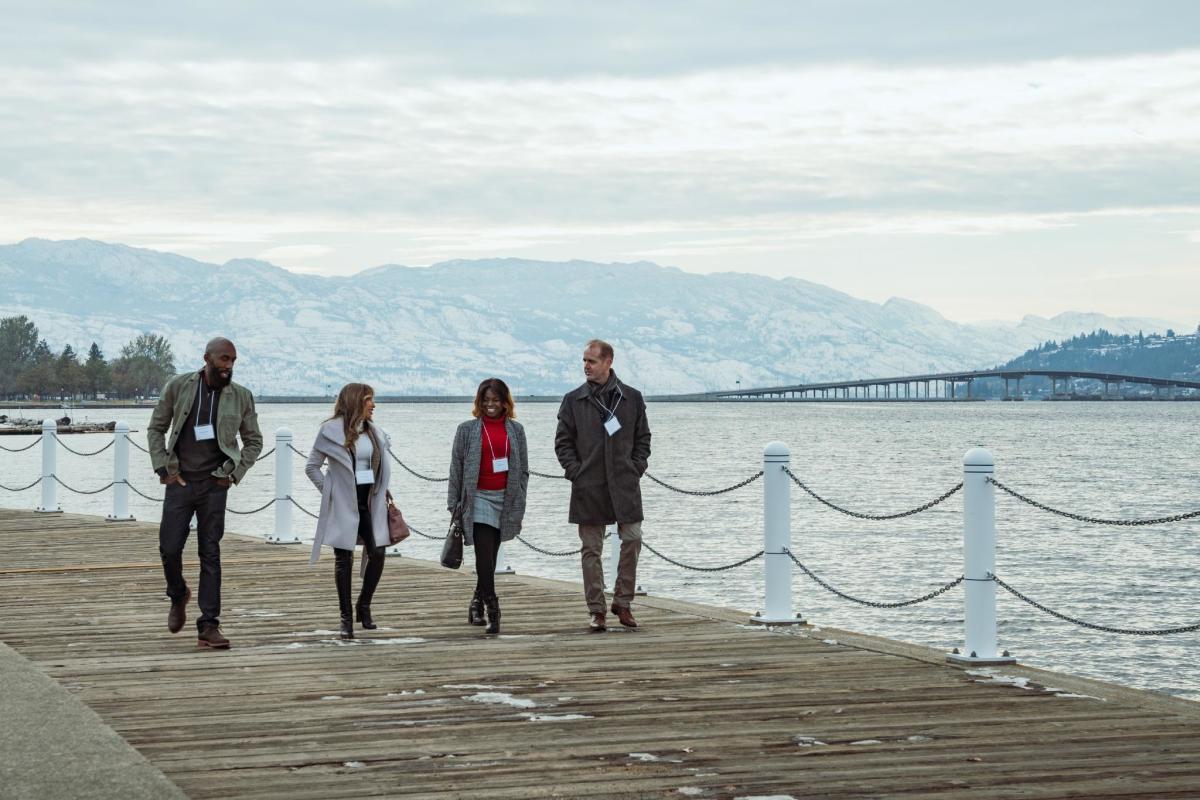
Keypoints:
pixel 487 545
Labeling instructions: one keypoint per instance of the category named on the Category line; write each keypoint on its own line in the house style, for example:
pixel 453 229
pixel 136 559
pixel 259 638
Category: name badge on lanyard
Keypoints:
pixel 204 433
pixel 612 426
pixel 500 464
pixel 364 476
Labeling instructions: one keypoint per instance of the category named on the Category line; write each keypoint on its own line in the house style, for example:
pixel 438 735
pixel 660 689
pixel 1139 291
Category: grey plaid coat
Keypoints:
pixel 464 477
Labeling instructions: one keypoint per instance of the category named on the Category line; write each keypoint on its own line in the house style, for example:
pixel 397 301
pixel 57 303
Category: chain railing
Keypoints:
pixel 695 568
pixel 34 443
pixel 69 488
pixel 708 493
pixel 263 507
pixel 1092 625
pixel 872 603
pixel 64 446
pixel 1093 520
pixel 20 488
pixel 142 494
pixel 874 517
pixel 414 472
pixel 553 553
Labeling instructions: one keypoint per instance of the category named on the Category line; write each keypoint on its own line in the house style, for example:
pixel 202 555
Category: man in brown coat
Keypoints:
pixel 603 445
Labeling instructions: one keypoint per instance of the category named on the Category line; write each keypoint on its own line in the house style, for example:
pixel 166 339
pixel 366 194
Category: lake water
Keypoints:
pixel 1115 460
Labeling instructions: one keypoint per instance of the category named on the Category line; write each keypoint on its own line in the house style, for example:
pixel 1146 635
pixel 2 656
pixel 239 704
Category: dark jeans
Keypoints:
pixel 204 498
pixel 373 553
pixel 487 545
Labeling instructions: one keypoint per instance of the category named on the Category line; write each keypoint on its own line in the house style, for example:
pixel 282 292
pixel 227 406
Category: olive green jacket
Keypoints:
pixel 235 415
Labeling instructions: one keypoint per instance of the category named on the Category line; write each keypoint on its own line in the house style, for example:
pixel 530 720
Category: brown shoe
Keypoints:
pixel 178 613
pixel 210 636
pixel 624 615
pixel 597 623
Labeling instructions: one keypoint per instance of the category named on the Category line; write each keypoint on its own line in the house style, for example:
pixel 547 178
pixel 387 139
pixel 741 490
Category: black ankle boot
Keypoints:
pixel 492 604
pixel 374 556
pixel 341 578
pixel 475 610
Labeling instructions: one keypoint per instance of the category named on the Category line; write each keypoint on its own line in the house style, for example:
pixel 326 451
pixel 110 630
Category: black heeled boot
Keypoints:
pixel 475 610
pixel 341 577
pixel 492 604
pixel 374 558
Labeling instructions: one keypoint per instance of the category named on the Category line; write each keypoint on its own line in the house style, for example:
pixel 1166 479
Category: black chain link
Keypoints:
pixel 877 517
pixel 105 487
pixel 305 510
pixel 255 511
pixel 297 452
pixel 694 568
pixel 58 439
pixel 555 553
pixel 710 493
pixel 142 494
pixel 873 604
pixel 426 535
pixel 264 455
pixel 135 444
pixel 537 474
pixel 21 489
pixel 414 472
pixel 1092 625
pixel 1092 520
pixel 34 443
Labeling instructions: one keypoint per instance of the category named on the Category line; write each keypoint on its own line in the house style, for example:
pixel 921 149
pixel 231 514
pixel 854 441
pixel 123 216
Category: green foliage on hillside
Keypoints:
pixel 1168 356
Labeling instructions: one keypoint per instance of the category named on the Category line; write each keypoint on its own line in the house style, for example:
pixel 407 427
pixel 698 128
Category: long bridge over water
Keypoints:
pixel 942 386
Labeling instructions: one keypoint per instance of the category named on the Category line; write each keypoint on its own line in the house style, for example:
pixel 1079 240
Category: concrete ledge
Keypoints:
pixel 54 746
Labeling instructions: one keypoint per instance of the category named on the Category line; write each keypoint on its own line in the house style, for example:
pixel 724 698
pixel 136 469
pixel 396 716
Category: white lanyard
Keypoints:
pixel 204 432
pixel 498 464
pixel 611 425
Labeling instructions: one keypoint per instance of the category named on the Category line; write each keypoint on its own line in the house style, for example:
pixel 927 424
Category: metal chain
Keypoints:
pixel 264 455
pixel 556 553
pixel 1092 520
pixel 305 510
pixel 58 439
pixel 135 444
pixel 21 489
pixel 537 474
pixel 21 449
pixel 142 494
pixel 1092 625
pixel 426 535
pixel 255 511
pixel 941 590
pixel 694 568
pixel 711 493
pixel 297 452
pixel 860 515
pixel 414 472
pixel 105 487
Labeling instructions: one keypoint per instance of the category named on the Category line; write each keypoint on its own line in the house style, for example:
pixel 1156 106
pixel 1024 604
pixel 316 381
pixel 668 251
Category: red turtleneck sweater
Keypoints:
pixel 494 432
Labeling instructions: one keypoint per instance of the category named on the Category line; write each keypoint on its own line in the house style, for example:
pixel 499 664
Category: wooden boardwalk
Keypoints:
pixel 696 704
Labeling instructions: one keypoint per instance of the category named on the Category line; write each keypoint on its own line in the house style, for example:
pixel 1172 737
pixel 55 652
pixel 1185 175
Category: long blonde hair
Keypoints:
pixel 351 407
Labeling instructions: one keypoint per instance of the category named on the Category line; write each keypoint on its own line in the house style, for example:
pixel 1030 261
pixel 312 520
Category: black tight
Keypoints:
pixel 487 545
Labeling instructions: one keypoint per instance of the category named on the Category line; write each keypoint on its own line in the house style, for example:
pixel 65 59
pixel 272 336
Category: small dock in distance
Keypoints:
pixel 697 703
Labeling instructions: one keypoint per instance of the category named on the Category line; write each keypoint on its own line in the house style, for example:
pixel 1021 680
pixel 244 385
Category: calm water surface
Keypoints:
pixel 1118 460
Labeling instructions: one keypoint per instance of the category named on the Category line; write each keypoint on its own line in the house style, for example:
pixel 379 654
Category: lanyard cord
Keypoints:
pixel 488 439
pixel 612 412
pixel 200 401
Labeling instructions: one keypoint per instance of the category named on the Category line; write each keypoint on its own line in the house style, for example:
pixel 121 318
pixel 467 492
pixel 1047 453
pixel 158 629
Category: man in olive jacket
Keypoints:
pixel 603 445
pixel 204 411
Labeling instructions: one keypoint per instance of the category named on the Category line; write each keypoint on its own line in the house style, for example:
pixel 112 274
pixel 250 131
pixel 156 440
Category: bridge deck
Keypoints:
pixel 695 704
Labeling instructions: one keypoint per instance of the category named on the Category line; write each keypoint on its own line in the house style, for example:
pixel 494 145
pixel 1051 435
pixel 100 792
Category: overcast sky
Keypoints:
pixel 987 159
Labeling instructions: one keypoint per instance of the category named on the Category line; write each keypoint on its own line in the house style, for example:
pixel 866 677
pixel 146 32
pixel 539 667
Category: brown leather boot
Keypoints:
pixel 178 613
pixel 210 636
pixel 597 622
pixel 624 615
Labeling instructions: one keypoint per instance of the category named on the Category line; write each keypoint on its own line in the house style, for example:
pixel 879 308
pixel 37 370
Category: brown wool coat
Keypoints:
pixel 605 471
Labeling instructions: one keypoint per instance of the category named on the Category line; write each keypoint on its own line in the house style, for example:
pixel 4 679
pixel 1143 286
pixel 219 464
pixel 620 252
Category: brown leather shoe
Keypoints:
pixel 178 613
pixel 624 615
pixel 210 636
pixel 597 623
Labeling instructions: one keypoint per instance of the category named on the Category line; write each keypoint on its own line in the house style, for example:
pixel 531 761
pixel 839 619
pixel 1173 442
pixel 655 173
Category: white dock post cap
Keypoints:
pixel 776 450
pixel 979 457
pixel 122 427
pixel 283 432
pixel 49 426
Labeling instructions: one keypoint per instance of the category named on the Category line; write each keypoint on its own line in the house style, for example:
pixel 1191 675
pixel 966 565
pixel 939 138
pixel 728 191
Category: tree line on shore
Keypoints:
pixel 30 369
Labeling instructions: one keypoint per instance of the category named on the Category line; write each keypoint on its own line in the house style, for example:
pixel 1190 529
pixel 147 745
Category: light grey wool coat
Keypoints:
pixel 337 525
pixel 464 477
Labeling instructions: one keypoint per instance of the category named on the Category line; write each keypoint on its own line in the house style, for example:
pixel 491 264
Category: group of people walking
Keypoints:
pixel 602 443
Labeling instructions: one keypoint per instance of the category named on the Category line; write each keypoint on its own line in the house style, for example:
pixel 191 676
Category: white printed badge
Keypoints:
pixel 204 433
pixel 500 464
pixel 612 426
pixel 364 476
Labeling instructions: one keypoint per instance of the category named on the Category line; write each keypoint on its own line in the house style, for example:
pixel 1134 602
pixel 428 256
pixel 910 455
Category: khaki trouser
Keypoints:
pixel 592 539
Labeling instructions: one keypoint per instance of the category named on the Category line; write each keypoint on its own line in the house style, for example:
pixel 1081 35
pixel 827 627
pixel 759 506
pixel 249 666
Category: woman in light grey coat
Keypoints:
pixel 353 497
pixel 489 475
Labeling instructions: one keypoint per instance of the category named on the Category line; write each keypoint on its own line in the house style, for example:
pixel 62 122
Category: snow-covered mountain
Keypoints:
pixel 440 329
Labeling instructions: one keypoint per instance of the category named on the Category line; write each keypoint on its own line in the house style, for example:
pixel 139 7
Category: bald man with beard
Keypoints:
pixel 204 412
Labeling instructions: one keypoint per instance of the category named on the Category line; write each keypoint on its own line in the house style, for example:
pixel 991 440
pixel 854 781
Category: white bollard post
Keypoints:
pixel 777 535
pixel 283 490
pixel 120 508
pixel 49 451
pixel 979 561
pixel 502 566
